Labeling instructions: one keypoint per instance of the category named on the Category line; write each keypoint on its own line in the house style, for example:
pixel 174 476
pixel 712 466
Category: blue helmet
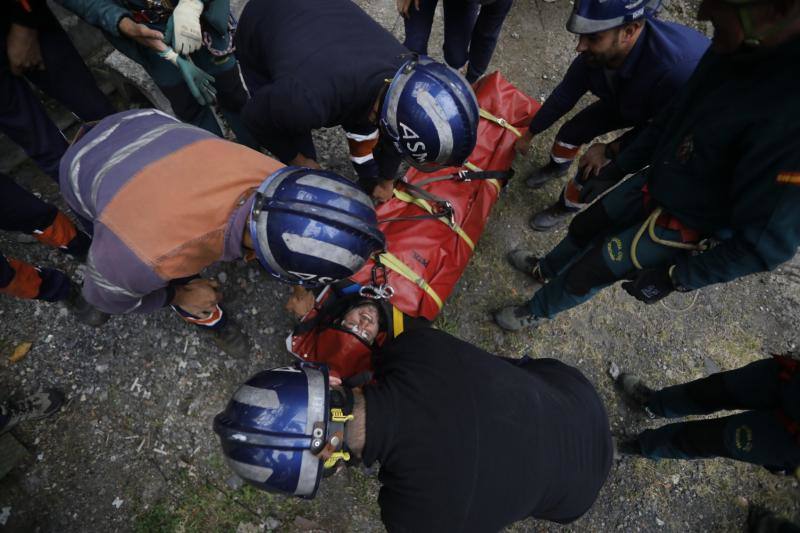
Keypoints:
pixel 312 227
pixel 593 16
pixel 431 115
pixel 277 423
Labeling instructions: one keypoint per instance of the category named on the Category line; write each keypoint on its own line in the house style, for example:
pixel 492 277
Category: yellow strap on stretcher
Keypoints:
pixel 398 320
pixel 423 204
pixel 392 262
pixel 500 121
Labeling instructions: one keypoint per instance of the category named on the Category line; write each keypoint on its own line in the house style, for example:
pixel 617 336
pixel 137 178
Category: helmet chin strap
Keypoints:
pixel 336 448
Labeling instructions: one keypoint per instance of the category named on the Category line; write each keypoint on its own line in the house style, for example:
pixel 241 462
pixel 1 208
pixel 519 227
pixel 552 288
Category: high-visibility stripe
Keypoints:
pixel 59 233
pixel 475 168
pixel 398 318
pixel 500 121
pixel 792 178
pixel 211 320
pixel 360 160
pixel 572 194
pixel 26 281
pixel 563 152
pixel 423 204
pixel 358 137
pixel 396 265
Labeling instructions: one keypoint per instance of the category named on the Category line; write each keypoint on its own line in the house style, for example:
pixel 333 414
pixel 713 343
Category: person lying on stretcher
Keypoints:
pixel 344 328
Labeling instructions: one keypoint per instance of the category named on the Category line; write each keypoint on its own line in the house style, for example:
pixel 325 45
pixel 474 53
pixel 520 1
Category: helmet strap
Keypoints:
pixel 336 449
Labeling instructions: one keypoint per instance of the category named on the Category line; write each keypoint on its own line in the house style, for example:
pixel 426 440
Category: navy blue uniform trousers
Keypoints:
pixel 470 31
pixel 758 435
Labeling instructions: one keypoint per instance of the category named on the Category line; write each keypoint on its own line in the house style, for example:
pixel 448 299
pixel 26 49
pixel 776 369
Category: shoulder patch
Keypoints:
pixel 792 178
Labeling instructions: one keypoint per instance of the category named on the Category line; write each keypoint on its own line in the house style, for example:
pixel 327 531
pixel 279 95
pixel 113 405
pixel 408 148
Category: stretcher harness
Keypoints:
pixel 432 224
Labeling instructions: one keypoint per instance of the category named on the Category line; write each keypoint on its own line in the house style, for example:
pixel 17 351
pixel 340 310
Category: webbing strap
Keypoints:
pixel 423 204
pixel 475 168
pixel 500 121
pixel 397 321
pixel 392 262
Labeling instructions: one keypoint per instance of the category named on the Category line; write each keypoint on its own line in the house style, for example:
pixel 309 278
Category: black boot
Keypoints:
pixel 83 311
pixel 232 340
pixel 33 407
pixel 542 175
pixel 633 390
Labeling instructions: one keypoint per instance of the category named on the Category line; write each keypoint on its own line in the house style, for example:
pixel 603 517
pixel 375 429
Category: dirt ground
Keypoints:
pixel 134 451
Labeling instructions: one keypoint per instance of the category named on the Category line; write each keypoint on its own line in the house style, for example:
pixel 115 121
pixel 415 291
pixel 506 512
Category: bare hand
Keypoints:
pixel 22 47
pixel 593 160
pixel 404 6
pixel 199 297
pixel 383 191
pixel 143 35
pixel 302 161
pixel 523 144
pixel 300 302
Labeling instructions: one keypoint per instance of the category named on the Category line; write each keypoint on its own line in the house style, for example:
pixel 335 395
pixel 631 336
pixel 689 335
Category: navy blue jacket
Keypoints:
pixel 725 160
pixel 657 66
pixel 313 64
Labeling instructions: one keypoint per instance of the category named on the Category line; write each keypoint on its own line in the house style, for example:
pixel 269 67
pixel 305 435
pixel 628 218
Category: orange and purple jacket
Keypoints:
pixel 167 200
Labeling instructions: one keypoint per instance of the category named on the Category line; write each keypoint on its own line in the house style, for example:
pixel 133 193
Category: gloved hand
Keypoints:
pixel 649 285
pixel 608 176
pixel 183 27
pixel 201 84
pixel 216 14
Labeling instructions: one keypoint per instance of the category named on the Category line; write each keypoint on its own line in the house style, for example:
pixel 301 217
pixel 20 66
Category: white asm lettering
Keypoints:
pixel 417 148
pixel 310 277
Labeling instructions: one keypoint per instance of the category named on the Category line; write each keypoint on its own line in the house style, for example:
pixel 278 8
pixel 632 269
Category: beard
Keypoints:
pixel 610 59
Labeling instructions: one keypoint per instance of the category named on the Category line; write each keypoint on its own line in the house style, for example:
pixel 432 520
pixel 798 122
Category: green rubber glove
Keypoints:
pixel 201 84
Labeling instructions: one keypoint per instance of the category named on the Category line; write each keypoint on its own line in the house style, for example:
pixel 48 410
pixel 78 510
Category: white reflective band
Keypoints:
pixel 322 250
pixel 560 160
pixel 566 145
pixel 438 118
pixel 358 137
pixel 360 160
pixel 327 184
pixel 264 398
pixel 257 473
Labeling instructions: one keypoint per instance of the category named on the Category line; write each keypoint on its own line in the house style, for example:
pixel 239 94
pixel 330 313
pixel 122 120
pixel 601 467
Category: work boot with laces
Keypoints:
pixel 633 390
pixel 232 340
pixel 515 318
pixel 542 175
pixel 526 262
pixel 550 218
pixel 83 311
pixel 35 406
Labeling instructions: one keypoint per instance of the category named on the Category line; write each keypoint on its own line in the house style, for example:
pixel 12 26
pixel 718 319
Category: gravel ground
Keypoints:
pixel 134 450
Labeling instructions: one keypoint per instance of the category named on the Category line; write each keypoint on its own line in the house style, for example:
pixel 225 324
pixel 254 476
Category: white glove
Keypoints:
pixel 186 26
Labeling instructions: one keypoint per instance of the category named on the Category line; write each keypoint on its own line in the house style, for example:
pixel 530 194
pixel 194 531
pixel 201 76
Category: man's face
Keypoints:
pixel 362 321
pixel 602 49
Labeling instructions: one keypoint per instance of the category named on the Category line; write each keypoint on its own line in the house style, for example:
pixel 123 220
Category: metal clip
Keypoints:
pixel 462 175
pixel 376 292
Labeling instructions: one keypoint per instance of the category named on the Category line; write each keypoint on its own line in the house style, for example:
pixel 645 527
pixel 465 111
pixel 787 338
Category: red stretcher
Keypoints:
pixel 432 226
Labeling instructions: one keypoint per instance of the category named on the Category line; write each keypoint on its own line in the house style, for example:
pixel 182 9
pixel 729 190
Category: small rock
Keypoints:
pixel 304 524
pixel 101 368
pixel 659 522
pixel 271 524
pixel 5 514
pixel 613 370
pixel 222 277
pixel 234 482
pixel 117 502
pixel 246 527
pixel 676 479
pixel 514 35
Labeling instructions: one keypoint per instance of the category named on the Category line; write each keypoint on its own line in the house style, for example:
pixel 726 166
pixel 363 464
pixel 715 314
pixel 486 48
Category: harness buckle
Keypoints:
pixel 463 175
